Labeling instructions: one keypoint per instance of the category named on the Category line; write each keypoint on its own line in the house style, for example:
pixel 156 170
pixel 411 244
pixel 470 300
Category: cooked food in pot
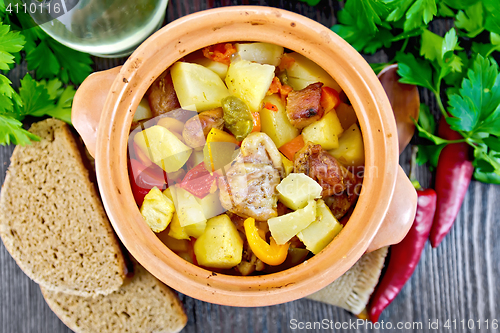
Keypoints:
pixel 243 158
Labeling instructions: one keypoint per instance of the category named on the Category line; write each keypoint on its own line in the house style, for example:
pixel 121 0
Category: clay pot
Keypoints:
pixel 103 110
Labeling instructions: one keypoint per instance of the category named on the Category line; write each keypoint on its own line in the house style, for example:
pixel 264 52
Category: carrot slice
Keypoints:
pixel 286 62
pixel 220 52
pixel 275 86
pixel 330 99
pixel 271 106
pixel 256 122
pixel 291 147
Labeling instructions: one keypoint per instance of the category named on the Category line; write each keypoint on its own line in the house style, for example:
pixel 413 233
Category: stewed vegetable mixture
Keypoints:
pixel 245 159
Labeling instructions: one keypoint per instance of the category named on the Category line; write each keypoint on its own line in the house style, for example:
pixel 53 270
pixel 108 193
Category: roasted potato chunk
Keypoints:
pixel 157 210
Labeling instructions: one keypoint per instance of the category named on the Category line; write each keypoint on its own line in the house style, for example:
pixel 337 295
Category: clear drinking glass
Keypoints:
pixel 106 28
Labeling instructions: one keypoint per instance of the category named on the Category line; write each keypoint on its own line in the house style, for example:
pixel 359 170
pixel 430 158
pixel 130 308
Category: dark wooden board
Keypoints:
pixel 457 281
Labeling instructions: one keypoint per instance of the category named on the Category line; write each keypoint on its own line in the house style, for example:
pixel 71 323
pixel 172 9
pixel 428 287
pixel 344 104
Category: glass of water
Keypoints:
pixel 105 28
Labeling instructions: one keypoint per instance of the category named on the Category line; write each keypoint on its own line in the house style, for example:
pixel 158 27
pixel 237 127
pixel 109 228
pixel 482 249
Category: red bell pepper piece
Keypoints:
pixel 198 181
pixel 143 179
pixel 405 255
pixel 453 175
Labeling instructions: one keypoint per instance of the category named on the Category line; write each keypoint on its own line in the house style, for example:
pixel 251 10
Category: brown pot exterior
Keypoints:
pixel 385 209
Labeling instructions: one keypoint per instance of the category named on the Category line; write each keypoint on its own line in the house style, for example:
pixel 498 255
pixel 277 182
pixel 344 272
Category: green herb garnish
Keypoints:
pixel 470 81
pixel 54 65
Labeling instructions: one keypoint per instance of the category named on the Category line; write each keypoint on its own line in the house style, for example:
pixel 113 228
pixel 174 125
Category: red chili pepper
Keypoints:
pixel 405 255
pixel 143 179
pixel 198 181
pixel 453 175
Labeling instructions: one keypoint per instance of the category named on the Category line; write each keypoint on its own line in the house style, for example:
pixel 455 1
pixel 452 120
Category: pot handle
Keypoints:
pixel 88 104
pixel 400 215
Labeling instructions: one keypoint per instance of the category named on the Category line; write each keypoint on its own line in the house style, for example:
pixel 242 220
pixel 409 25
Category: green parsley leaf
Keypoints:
pixel 54 87
pixel 62 110
pixel 477 107
pixel 75 65
pixel 360 41
pixel 414 71
pixel 471 20
pixel 36 99
pixel 486 177
pixel 9 99
pixel 426 119
pixel 420 13
pixel 493 143
pixel 399 9
pixel 449 62
pixel 484 161
pixel 444 10
pixel 492 23
pixel 32 36
pixel 12 132
pixel 10 42
pixel 440 51
pixel 43 60
pixel 6 105
pixel 365 14
pixel 5 87
pixel 429 136
pixel 450 43
pixel 484 166
pixel 377 67
pixel 429 154
pixel 454 78
pixel 460 4
pixel 50 58
pixel 484 49
pixel 431 45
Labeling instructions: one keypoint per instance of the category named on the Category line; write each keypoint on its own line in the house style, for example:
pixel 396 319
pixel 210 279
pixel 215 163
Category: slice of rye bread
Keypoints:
pixel 142 305
pixel 51 218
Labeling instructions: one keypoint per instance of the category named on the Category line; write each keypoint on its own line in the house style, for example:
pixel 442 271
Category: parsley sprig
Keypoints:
pixel 475 113
pixel 466 84
pixel 53 64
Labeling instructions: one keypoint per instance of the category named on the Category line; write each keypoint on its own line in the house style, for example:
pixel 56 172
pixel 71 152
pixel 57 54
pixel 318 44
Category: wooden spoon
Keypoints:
pixel 405 102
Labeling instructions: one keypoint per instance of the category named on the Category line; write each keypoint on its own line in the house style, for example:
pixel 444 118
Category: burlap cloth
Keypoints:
pixel 352 290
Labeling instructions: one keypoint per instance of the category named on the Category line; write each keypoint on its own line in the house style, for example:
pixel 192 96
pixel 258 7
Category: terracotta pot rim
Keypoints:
pixel 247 23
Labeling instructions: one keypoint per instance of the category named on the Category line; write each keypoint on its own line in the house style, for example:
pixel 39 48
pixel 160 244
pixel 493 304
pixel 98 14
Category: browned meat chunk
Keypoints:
pixel 161 95
pixel 248 189
pixel 303 107
pixel 315 162
pixel 197 128
pixel 340 204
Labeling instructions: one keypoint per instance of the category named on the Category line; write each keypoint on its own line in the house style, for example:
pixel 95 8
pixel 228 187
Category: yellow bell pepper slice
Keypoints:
pixel 271 254
pixel 219 155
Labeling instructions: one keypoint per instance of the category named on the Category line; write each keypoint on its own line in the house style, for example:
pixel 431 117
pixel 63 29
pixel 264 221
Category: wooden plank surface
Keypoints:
pixel 458 281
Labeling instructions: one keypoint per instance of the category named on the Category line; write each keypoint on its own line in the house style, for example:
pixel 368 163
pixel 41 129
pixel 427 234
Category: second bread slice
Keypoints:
pixel 142 305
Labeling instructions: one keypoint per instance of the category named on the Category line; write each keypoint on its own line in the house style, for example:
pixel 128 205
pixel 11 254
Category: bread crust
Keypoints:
pixel 144 304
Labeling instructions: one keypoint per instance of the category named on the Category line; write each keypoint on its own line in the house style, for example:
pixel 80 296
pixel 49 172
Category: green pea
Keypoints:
pixel 237 117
